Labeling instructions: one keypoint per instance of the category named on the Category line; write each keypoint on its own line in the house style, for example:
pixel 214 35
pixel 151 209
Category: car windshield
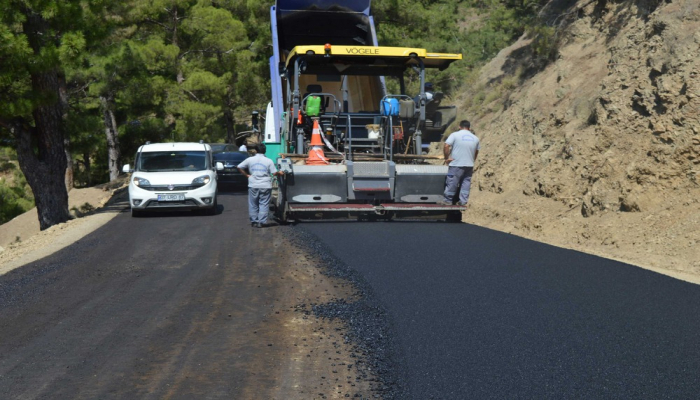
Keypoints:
pixel 160 161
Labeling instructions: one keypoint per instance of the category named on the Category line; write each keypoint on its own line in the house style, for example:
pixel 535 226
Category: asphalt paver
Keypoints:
pixel 476 313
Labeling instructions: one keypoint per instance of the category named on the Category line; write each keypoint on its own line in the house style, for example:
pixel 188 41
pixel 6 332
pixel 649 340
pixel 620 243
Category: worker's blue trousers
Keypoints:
pixel 259 204
pixel 458 178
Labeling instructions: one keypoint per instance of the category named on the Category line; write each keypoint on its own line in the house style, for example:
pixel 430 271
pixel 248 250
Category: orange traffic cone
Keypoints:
pixel 316 155
pixel 316 134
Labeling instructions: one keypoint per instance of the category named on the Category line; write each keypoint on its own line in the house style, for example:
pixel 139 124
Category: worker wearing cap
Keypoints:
pixel 259 171
pixel 428 96
pixel 461 149
pixel 428 87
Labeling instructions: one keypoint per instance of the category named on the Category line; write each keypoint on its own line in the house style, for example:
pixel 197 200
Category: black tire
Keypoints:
pixel 136 213
pixel 280 213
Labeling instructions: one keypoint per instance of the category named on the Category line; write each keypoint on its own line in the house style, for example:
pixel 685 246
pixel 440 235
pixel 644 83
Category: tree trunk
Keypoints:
pixel 63 96
pixel 178 67
pixel 85 162
pixel 69 177
pixel 41 153
pixel 40 148
pixel 230 131
pixel 88 170
pixel 112 136
pixel 228 101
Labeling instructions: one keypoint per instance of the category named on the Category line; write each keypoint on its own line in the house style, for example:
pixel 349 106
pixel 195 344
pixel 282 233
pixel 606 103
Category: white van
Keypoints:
pixel 173 176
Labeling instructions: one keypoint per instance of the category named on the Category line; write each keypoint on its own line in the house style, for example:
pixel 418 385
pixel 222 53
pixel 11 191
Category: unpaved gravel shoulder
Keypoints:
pixel 312 356
pixel 32 245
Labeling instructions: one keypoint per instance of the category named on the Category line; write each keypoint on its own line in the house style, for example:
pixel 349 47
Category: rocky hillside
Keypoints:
pixel 599 150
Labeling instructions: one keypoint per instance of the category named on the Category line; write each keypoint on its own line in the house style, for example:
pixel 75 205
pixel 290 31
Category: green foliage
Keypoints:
pixel 544 43
pixel 8 154
pixel 478 29
pixel 10 205
pixel 72 47
pixel 170 70
pixel 187 69
pixel 61 41
pixel 6 166
pixel 15 198
pixel 214 29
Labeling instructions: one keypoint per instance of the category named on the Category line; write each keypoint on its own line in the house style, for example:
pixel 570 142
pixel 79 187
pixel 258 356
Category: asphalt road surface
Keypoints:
pixel 480 314
pixel 185 306
pixel 176 306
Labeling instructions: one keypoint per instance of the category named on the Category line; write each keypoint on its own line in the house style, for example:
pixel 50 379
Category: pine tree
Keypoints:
pixel 39 38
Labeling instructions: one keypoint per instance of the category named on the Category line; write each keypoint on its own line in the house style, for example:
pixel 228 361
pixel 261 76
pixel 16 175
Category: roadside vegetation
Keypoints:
pixel 15 195
pixel 105 77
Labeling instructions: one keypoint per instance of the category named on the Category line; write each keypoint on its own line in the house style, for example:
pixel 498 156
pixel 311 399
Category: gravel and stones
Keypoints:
pixel 369 327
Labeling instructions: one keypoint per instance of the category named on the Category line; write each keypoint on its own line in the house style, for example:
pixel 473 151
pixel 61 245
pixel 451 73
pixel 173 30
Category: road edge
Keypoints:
pixel 71 232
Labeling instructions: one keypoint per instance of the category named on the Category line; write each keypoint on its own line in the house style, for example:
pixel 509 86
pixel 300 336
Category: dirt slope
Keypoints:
pixel 600 150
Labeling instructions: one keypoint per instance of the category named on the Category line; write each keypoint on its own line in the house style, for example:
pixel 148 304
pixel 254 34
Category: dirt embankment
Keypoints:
pixel 600 150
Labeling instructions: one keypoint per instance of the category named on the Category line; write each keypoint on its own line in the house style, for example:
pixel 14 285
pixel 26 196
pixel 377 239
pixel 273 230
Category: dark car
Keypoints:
pixel 221 147
pixel 230 174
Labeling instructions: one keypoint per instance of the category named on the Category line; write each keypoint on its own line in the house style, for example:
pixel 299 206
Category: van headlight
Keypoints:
pixel 141 182
pixel 202 180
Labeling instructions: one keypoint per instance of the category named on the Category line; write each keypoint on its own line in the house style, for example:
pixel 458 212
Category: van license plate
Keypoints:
pixel 171 197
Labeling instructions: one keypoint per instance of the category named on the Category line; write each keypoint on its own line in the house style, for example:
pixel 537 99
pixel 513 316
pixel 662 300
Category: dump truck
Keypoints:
pixel 349 147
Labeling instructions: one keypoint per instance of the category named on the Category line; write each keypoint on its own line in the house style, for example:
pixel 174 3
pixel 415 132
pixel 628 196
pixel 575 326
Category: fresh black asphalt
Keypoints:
pixel 476 313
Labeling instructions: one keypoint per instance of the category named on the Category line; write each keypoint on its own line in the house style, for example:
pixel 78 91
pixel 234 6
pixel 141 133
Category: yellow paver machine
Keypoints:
pixel 349 148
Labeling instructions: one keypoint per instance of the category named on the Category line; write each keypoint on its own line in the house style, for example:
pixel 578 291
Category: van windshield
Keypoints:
pixel 161 161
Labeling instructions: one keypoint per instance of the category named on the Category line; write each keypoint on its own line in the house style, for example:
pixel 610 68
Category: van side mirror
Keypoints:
pixel 219 166
pixel 127 169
